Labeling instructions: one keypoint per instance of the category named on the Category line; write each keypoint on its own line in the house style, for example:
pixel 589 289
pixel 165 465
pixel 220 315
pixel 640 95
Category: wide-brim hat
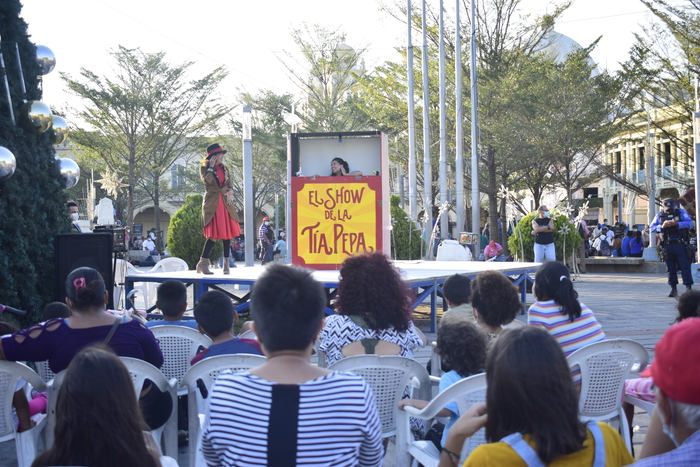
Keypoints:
pixel 214 149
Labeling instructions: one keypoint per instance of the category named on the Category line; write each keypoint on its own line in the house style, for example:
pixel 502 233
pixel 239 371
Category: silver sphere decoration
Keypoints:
pixel 60 127
pixel 70 171
pixel 8 164
pixel 35 117
pixel 45 59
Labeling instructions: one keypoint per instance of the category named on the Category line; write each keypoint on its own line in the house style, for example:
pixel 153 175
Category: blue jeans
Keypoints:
pixel 545 252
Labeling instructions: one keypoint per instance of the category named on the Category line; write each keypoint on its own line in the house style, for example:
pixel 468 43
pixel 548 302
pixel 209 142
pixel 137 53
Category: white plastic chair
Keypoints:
pixel 166 435
pixel 388 376
pixel 208 370
pixel 122 269
pixel 179 345
pixel 249 334
pixel 164 265
pixel 44 371
pixel 604 367
pixel 465 393
pixel 25 442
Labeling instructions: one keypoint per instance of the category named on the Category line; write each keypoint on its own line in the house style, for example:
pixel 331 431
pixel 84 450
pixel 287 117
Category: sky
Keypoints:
pixel 249 37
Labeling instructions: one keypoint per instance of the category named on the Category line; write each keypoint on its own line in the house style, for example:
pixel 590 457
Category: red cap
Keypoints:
pixel 676 368
pixel 266 219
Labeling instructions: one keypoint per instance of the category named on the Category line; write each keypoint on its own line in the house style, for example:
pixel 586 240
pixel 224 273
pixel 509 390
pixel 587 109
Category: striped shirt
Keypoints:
pixel 328 421
pixel 571 336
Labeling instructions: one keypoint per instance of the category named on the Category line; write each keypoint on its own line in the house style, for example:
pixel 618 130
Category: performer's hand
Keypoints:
pixel 228 198
pixel 213 160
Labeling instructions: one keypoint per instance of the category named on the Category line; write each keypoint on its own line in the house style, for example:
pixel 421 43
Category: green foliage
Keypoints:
pixel 565 234
pixel 403 246
pixel 32 201
pixel 185 237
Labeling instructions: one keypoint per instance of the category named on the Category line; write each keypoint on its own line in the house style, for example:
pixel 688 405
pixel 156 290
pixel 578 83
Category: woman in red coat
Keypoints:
pixel 219 215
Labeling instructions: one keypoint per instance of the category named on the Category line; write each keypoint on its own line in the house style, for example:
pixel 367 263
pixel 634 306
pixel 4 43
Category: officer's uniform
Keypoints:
pixel 674 241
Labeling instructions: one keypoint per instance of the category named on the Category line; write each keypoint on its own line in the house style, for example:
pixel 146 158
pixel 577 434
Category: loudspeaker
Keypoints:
pixel 77 250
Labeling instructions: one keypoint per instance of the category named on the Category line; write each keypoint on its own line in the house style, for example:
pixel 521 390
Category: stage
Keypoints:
pixel 426 277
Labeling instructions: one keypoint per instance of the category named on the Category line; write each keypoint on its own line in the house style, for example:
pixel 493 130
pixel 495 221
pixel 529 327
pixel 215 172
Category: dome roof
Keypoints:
pixel 559 46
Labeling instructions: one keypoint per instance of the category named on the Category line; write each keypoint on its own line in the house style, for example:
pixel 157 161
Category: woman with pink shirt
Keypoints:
pixel 492 252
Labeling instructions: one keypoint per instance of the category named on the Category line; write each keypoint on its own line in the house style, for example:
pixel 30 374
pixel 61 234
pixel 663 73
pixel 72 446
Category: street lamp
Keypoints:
pixel 248 187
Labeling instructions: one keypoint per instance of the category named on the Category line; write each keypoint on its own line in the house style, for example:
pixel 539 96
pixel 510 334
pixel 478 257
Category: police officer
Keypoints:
pixel 674 223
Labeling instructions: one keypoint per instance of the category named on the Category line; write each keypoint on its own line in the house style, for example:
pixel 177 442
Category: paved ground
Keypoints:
pixel 630 306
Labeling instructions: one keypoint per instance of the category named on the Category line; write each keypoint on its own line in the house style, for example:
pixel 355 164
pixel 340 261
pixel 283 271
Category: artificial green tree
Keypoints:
pixel 185 237
pixel 32 200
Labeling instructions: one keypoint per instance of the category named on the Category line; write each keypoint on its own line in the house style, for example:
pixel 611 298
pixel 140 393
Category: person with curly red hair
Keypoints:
pixel 373 303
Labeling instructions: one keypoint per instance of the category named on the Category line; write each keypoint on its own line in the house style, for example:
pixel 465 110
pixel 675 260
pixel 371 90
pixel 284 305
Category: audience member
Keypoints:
pixel 172 302
pixel 688 306
pixel 215 318
pixel 56 310
pixel 496 303
pixel 558 311
pixel 463 346
pixel 97 417
pixel 675 373
pixel 287 411
pixel 493 251
pixel 24 409
pixel 625 248
pixel 373 303
pixel 456 291
pixel 637 245
pixel 532 408
pixel 59 340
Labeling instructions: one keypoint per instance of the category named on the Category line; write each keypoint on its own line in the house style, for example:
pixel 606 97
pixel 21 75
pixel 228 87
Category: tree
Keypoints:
pixel 566 238
pixel 185 236
pixel 326 74
pixel 406 240
pixel 32 200
pixel 145 117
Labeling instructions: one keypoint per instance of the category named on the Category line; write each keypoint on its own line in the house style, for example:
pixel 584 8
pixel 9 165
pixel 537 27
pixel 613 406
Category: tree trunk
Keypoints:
pixel 130 188
pixel 492 191
pixel 504 223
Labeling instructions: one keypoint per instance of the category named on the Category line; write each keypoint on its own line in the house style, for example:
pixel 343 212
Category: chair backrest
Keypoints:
pixel 178 344
pixel 249 334
pixel 388 376
pixel 464 393
pixel 207 371
pixel 10 374
pixel 44 371
pixel 382 348
pixel 170 265
pixel 604 367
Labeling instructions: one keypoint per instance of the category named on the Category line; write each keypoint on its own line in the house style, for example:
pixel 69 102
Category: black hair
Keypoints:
pixel 71 204
pixel 688 305
pixel 214 313
pixel 553 282
pixel 56 310
pixel 172 297
pixel 630 233
pixel 457 289
pixel 530 391
pixel 343 163
pixel 85 288
pixel 495 298
pixel 463 345
pixel 638 238
pixel 287 305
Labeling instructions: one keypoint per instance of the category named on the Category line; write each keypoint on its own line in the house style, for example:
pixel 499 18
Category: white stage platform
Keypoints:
pixel 426 276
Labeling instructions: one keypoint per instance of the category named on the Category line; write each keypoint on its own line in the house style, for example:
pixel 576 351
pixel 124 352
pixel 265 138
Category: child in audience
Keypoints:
pixel 496 303
pixel 456 291
pixel 172 302
pixel 98 421
pixel 531 412
pixel 24 409
pixel 56 310
pixel 463 346
pixel 215 318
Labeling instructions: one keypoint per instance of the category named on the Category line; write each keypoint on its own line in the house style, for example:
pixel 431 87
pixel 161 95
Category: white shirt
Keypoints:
pixel 149 245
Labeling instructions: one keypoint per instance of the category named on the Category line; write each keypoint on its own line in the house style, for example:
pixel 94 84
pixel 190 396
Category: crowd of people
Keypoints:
pixel 295 413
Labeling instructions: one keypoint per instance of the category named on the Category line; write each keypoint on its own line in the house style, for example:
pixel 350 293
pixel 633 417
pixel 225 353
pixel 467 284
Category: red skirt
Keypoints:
pixel 222 227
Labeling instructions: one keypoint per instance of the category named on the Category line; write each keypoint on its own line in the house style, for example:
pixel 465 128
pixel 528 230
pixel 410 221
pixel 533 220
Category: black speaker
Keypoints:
pixel 77 250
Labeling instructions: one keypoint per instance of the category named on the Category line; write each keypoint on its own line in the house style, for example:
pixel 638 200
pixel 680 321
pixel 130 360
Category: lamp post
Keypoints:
pixel 650 253
pixel 248 214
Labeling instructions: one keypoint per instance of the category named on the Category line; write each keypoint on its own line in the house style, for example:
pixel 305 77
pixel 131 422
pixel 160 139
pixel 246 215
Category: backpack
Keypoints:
pixel 604 247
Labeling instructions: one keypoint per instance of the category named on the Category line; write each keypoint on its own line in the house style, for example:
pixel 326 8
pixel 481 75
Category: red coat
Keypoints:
pixel 212 192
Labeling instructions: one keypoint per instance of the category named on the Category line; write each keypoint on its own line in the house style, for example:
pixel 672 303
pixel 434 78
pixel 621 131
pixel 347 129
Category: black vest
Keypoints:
pixel 672 233
pixel 544 238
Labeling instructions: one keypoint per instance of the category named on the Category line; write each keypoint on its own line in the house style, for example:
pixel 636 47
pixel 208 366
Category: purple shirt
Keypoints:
pixel 687 455
pixel 60 345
